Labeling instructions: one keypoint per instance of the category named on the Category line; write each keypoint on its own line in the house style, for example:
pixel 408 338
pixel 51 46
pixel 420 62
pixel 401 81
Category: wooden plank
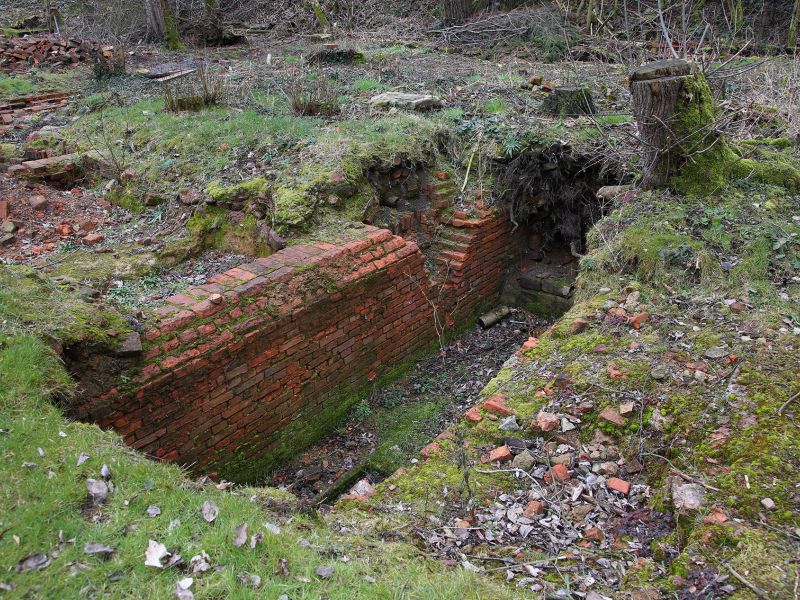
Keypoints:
pixel 175 75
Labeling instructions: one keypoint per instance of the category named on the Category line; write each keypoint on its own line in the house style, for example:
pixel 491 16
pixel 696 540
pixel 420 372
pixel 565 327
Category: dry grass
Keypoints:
pixel 203 88
pixel 312 94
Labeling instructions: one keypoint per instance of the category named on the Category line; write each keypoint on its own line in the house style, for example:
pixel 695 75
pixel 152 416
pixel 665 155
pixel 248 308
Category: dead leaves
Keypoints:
pixel 241 535
pixel 33 562
pixel 98 490
pixel 182 591
pixel 210 511
pixel 157 552
pixel 282 568
pixel 199 563
pixel 154 554
pixel 95 548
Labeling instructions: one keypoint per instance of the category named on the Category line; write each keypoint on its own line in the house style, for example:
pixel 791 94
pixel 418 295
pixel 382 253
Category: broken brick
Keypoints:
pixel 610 414
pixel 497 405
pixel 37 202
pixel 533 508
pixel 546 421
pixel 430 450
pixel 557 473
pixel 473 415
pixel 3 209
pixel 579 326
pixel 501 454
pixel 640 319
pixel 593 533
pixel 619 485
pixel 93 238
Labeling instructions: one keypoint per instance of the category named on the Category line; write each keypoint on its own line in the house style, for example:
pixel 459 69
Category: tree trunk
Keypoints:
pixel 155 19
pixel 793 25
pixel 161 25
pixel 322 18
pixel 675 114
pixel 456 11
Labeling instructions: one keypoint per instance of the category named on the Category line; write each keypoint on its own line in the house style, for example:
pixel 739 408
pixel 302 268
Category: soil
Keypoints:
pixel 458 374
pixel 65 218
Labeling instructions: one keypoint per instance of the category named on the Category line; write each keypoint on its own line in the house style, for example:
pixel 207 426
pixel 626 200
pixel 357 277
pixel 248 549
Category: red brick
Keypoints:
pixel 557 473
pixel 93 239
pixel 619 485
pixel 473 415
pixel 501 454
pixel 533 508
pixel 497 405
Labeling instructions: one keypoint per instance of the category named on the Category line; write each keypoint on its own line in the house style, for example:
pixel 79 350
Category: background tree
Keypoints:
pixel 792 41
pixel 161 25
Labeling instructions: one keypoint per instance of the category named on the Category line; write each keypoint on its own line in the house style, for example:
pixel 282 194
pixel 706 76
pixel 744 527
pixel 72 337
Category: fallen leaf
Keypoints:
pixel 324 572
pixel 95 548
pixel 283 567
pixel 174 561
pixel 32 562
pixel 253 581
pixel 199 563
pixel 273 529
pixel 256 539
pixel 154 553
pixel 98 490
pixel 82 458
pixel 241 535
pixel 210 510
pixel 182 589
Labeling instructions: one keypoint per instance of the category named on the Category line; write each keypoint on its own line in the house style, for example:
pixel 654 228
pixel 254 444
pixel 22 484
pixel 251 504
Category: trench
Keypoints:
pixel 390 424
pixel 325 364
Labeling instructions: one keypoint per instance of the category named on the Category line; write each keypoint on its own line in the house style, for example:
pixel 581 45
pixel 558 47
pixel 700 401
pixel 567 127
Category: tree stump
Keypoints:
pixel 684 148
pixel 569 102
pixel 675 114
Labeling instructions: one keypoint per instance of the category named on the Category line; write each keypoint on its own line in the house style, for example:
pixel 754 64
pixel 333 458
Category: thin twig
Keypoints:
pixel 785 404
pixel 754 588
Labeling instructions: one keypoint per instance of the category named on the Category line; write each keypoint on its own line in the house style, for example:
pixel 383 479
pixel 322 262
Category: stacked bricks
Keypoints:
pixel 236 360
pixel 232 364
pixel 472 259
pixel 20 53
pixel 14 112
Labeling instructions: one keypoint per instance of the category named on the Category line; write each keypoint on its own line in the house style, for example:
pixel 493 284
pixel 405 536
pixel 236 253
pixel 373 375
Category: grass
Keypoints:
pixel 32 304
pixel 11 86
pixel 46 500
pixel 495 106
pixel 369 85
pixel 35 80
pixel 186 147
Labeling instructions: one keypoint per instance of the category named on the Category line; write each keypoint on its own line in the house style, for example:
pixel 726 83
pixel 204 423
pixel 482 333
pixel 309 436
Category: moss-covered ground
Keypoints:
pixel 731 415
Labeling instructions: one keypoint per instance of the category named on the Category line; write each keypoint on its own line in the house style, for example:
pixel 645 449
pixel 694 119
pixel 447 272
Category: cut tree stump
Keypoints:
pixel 569 102
pixel 675 122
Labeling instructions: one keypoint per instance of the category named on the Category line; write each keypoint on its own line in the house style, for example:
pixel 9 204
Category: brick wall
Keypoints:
pixel 249 368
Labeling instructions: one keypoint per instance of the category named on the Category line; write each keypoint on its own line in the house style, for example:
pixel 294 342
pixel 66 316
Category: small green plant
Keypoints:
pixel 361 411
pixel 495 106
pixel 368 85
pixel 67 247
pixel 312 95
pixel 511 146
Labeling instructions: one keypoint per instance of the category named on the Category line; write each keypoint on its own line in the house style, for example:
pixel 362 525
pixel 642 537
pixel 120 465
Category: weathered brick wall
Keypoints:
pixel 245 370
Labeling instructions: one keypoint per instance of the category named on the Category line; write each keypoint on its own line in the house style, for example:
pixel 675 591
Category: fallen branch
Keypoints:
pixel 789 401
pixel 754 588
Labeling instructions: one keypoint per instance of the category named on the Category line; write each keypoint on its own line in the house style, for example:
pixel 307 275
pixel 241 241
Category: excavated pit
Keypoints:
pixel 235 378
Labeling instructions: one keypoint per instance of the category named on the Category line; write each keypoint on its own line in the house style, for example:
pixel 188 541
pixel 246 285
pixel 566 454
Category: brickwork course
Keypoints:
pixel 239 373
